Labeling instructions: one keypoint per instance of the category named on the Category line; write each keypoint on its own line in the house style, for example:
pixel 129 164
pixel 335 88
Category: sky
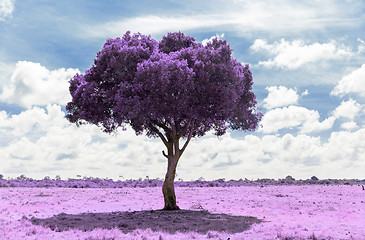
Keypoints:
pixel 308 64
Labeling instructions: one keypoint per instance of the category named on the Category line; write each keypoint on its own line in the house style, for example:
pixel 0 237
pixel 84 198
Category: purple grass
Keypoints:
pixel 103 209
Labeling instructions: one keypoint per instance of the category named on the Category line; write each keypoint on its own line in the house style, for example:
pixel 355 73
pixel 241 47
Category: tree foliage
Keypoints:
pixel 159 87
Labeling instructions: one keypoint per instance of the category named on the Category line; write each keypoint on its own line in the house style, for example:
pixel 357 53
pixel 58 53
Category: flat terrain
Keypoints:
pixel 247 212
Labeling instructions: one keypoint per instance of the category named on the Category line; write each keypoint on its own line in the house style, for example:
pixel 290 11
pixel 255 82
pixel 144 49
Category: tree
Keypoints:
pixel 173 89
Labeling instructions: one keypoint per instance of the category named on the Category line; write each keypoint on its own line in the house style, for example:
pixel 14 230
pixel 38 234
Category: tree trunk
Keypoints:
pixel 168 189
pixel 173 155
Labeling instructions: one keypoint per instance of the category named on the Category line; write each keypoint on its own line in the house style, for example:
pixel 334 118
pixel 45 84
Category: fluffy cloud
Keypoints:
pixel 292 55
pixel 6 70
pixel 32 121
pixel 205 41
pixel 307 121
pixel 276 156
pixel 349 125
pixel 316 126
pixel 351 83
pixel 6 8
pixel 349 109
pixel 294 117
pixel 345 145
pixel 280 97
pixel 40 142
pixel 32 84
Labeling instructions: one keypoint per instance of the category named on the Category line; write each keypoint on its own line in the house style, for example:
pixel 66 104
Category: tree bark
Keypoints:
pixel 168 188
pixel 173 155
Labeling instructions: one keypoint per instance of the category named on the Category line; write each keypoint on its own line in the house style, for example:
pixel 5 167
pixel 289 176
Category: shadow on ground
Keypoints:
pixel 157 220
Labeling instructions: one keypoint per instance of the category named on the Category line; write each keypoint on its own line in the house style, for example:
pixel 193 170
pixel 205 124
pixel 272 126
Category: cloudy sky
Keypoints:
pixel 308 64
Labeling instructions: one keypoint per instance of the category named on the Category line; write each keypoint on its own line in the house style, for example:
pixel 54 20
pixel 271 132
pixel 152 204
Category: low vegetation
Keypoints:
pixel 92 182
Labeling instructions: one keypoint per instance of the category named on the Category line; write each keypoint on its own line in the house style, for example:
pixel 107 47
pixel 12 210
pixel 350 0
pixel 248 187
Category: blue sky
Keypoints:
pixel 308 64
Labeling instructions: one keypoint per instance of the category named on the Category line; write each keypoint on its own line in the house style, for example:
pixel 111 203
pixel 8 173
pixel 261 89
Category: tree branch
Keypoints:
pixel 160 135
pixel 173 128
pixel 180 134
pixel 189 137
pixel 161 125
pixel 163 153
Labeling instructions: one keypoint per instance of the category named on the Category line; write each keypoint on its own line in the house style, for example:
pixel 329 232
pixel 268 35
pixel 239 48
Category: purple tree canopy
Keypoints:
pixel 172 84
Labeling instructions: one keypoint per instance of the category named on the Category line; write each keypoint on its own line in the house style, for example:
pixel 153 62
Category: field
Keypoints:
pixel 261 211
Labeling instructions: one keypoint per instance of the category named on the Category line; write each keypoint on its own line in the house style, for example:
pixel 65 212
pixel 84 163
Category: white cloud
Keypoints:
pixel 242 17
pixel 6 70
pixel 280 97
pixel 33 120
pixel 32 84
pixel 151 25
pixel 46 144
pixel 41 142
pixel 316 125
pixel 361 47
pixel 351 83
pixel 349 109
pixel 6 8
pixel 275 156
pixel 292 55
pixel 305 93
pixel 294 117
pixel 349 125
pixel 307 121
pixel 205 41
pixel 345 145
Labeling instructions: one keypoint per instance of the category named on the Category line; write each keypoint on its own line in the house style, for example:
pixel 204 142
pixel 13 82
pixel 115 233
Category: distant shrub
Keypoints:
pixel 91 182
pixel 22 178
pixel 289 178
pixel 221 180
pixel 314 178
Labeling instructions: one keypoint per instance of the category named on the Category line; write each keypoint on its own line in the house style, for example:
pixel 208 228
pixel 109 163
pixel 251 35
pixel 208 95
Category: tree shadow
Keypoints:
pixel 157 220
